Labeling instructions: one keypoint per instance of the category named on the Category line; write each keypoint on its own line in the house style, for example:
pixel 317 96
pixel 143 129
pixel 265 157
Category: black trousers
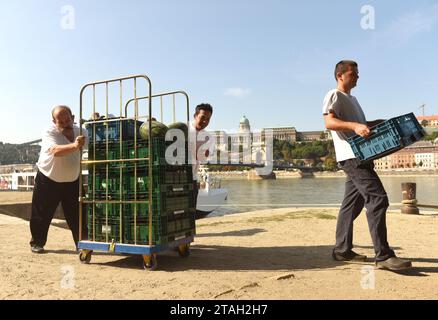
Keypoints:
pixel 195 191
pixel 47 195
pixel 363 188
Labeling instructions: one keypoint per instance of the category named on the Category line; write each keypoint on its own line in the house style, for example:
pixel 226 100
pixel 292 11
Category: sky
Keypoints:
pixel 271 61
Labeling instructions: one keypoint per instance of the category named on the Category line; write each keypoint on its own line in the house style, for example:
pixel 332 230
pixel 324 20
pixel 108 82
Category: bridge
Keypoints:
pixel 255 165
pixel 253 174
pixel 31 142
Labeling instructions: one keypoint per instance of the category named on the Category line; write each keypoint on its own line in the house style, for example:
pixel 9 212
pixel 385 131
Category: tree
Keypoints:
pixel 286 152
pixel 277 154
pixel 312 150
pixel 432 136
pixel 14 153
pixel 317 163
pixel 322 136
pixel 330 164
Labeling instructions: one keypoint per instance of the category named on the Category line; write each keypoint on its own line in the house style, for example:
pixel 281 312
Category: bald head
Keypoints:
pixel 61 108
pixel 62 117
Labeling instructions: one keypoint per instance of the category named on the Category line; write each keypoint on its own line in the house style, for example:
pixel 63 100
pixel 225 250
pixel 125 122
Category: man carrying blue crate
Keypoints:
pixel 344 117
pixel 57 178
pixel 201 119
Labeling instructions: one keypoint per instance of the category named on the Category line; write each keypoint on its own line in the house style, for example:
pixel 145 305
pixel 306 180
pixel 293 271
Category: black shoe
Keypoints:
pixel 348 256
pixel 394 264
pixel 37 249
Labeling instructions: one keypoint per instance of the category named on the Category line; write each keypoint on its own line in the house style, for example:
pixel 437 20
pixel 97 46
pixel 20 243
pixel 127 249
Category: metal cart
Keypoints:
pixel 87 246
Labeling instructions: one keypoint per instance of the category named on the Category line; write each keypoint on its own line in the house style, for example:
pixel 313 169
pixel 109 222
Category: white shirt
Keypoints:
pixel 195 145
pixel 64 168
pixel 346 108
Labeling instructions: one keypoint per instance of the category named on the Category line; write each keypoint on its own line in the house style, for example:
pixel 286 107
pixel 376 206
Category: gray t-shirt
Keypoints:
pixel 346 108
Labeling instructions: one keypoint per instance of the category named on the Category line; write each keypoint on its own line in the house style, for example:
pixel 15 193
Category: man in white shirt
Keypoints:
pixel 344 117
pixel 57 178
pixel 201 119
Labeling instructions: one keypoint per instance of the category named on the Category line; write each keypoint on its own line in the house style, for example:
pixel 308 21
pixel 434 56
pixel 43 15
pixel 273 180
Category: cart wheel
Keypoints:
pixel 85 256
pixel 184 250
pixel 150 262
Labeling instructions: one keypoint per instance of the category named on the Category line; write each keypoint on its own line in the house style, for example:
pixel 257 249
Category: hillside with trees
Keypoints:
pixel 18 154
pixel 317 154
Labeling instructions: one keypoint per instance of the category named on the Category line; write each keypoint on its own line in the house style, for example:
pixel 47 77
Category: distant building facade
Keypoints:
pixel 241 144
pixel 226 141
pixel 428 121
pixel 312 136
pixel 383 163
pixel 283 133
pixel 420 155
pixel 427 160
pixel 292 135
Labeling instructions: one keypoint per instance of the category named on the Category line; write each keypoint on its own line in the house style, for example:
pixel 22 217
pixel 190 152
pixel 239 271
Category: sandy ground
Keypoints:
pixel 11 197
pixel 270 254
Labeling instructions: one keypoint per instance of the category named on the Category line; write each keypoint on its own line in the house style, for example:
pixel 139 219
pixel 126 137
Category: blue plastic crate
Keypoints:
pixel 114 130
pixel 387 137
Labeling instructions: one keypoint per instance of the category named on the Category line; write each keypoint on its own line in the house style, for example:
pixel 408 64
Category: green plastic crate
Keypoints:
pixel 105 232
pixel 165 203
pixel 99 151
pixel 141 150
pixel 142 231
pixel 100 210
pixel 118 188
pixel 162 232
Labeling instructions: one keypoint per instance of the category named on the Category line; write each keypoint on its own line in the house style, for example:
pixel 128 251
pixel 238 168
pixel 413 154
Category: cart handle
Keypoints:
pixel 161 95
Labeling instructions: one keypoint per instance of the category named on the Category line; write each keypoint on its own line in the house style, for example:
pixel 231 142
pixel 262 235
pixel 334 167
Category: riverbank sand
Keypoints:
pixel 269 254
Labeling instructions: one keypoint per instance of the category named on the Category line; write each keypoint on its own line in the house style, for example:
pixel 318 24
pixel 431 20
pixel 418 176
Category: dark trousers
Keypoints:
pixel 195 191
pixel 363 188
pixel 47 195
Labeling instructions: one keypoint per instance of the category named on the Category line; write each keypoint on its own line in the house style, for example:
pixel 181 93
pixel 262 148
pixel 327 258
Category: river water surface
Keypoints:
pixel 250 195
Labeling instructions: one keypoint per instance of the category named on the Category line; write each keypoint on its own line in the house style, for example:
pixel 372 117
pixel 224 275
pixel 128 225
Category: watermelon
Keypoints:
pixel 180 125
pixel 158 129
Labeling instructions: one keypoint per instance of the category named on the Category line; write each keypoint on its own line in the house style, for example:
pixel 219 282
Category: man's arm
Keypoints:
pixel 333 123
pixel 62 150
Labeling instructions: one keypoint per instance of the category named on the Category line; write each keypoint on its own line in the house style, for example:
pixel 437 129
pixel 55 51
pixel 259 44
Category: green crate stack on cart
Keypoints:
pixel 173 204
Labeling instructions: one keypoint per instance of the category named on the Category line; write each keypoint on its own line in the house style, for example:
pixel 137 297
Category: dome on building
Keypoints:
pixel 244 125
pixel 435 141
pixel 244 120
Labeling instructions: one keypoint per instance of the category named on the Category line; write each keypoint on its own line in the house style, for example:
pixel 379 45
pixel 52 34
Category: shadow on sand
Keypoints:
pixel 237 233
pixel 235 258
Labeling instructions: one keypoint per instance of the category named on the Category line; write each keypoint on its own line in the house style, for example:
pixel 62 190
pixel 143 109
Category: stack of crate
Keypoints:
pixel 115 185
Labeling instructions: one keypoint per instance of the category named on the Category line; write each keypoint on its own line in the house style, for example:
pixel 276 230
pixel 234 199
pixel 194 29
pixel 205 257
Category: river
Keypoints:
pixel 250 195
